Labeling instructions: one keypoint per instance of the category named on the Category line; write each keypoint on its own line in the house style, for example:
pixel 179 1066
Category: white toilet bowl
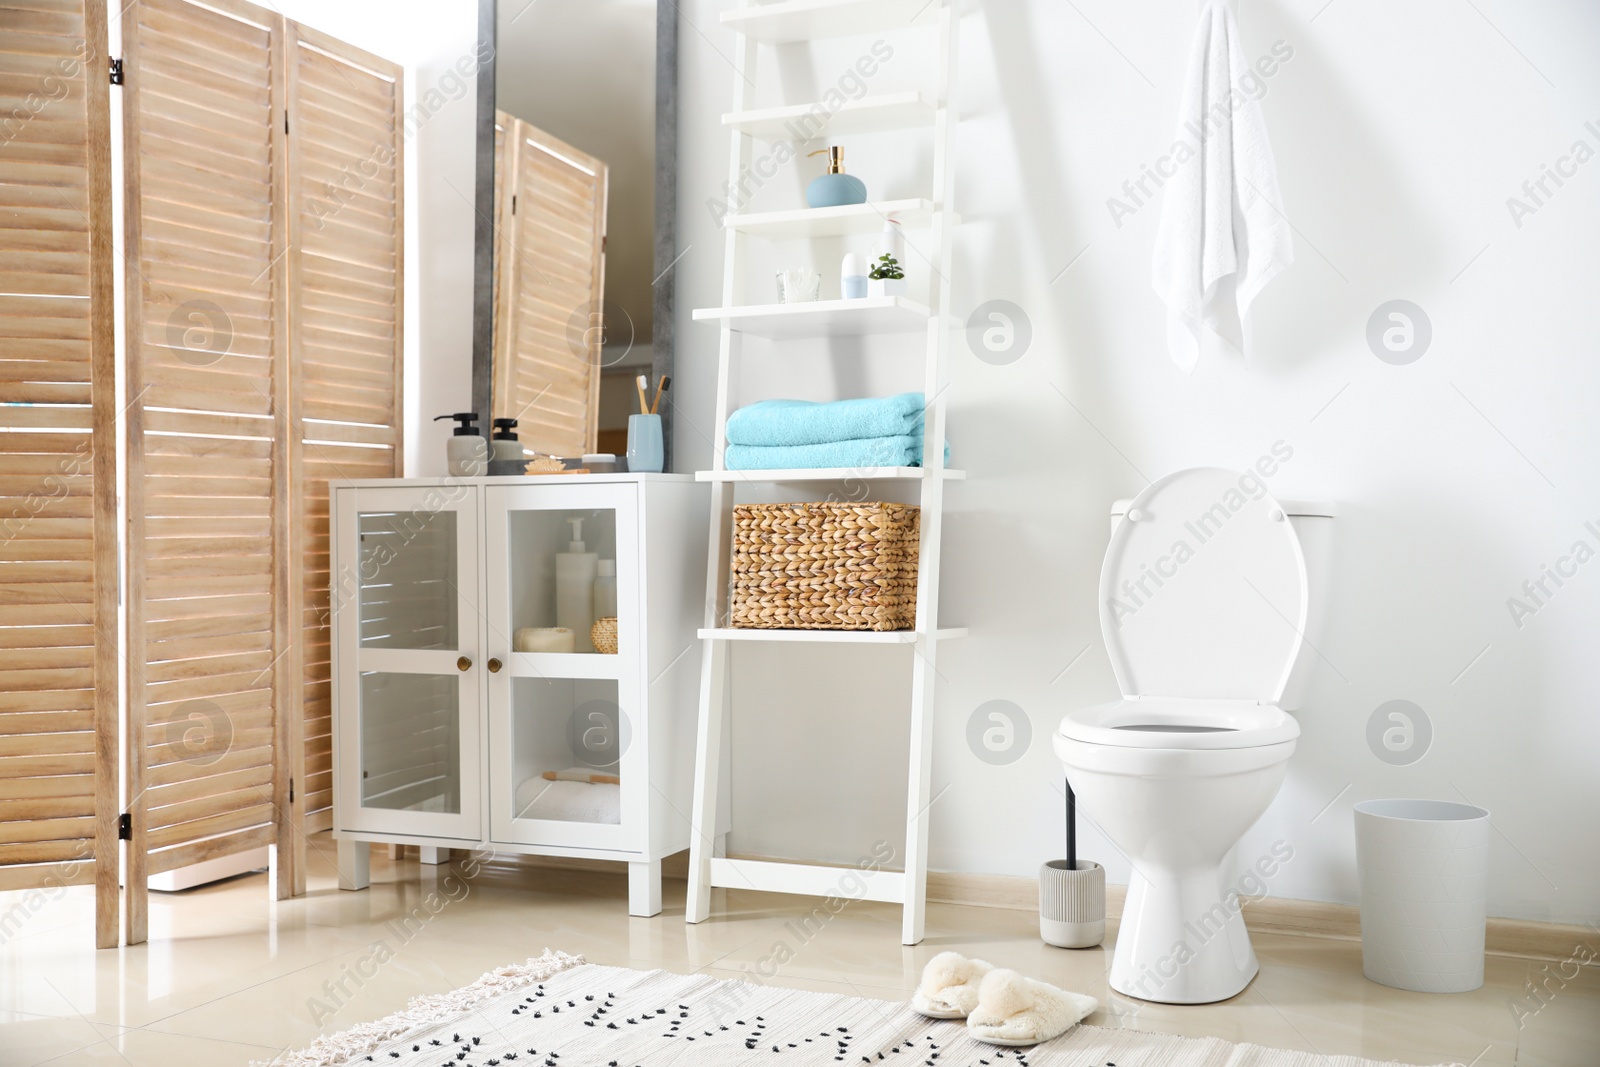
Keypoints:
pixel 1204 606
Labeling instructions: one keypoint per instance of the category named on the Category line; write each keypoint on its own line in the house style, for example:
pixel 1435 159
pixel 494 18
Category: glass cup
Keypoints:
pixel 798 286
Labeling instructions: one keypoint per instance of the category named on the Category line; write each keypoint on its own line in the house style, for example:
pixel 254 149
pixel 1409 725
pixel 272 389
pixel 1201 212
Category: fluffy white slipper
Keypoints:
pixel 1013 1010
pixel 949 987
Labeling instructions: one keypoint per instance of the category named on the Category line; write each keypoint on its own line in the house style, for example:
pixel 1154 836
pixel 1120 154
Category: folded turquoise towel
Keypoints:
pixel 900 451
pixel 804 422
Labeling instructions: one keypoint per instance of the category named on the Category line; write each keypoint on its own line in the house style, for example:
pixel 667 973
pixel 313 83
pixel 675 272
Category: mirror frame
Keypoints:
pixel 663 290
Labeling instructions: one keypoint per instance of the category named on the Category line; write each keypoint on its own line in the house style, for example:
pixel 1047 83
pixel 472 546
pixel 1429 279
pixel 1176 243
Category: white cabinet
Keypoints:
pixel 447 737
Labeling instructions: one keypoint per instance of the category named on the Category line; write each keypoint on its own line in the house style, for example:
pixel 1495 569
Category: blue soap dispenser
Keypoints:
pixel 835 188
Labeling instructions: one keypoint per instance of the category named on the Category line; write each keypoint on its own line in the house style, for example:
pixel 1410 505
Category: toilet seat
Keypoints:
pixel 1181 723
pixel 1203 592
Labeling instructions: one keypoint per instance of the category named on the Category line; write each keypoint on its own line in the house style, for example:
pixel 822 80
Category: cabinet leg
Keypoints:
pixel 396 850
pixel 355 864
pixel 433 856
pixel 644 888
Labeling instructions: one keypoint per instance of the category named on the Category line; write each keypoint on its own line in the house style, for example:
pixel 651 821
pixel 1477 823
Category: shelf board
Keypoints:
pixel 836 221
pixel 822 318
pixel 812 20
pixel 812 122
pixel 564 665
pixel 834 637
pixel 828 474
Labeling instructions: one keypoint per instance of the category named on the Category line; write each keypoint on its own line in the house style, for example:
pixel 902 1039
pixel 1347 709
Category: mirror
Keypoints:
pixel 574 295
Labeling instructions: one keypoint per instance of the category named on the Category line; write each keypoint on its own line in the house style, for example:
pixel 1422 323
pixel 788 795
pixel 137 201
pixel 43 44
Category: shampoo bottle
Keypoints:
pixel 605 590
pixel 576 569
pixel 466 453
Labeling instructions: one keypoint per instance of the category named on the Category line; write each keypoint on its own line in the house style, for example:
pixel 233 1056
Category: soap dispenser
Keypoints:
pixel 506 454
pixel 466 453
pixel 576 570
pixel 835 188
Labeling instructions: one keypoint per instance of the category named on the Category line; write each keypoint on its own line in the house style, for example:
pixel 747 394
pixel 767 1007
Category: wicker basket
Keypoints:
pixel 603 635
pixel 825 566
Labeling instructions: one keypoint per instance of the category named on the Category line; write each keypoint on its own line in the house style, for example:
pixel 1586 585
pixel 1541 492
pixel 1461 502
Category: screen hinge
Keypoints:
pixel 291 790
pixel 125 827
pixel 116 71
pixel 513 203
pixel 286 122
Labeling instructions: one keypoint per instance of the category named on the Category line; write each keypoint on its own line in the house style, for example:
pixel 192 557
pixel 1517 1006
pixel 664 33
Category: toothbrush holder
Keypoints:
pixel 645 450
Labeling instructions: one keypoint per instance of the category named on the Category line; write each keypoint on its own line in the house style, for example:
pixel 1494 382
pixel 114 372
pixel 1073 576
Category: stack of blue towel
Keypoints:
pixel 800 434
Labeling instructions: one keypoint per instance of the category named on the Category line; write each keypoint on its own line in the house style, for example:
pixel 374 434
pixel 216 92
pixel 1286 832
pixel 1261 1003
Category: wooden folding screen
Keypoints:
pixel 264 228
pixel 550 270
pixel 346 205
pixel 58 526
pixel 207 424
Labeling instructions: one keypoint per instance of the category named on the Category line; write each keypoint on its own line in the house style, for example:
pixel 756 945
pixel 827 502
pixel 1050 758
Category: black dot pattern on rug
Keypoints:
pixel 581 1023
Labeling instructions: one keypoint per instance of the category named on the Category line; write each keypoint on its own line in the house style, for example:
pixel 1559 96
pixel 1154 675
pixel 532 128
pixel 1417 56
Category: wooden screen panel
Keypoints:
pixel 551 288
pixel 346 278
pixel 58 529
pixel 206 425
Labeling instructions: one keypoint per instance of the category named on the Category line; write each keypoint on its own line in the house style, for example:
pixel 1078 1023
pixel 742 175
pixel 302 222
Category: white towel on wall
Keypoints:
pixel 1222 235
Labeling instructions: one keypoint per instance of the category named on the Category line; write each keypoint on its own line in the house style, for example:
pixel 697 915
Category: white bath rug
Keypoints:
pixel 557 1011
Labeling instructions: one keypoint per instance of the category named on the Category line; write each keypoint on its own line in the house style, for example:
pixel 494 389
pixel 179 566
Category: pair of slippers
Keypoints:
pixel 1000 1006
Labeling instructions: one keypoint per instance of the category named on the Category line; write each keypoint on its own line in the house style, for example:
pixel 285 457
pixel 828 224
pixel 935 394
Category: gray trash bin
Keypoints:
pixel 1423 868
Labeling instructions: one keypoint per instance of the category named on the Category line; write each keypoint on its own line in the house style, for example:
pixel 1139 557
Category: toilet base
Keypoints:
pixel 1182 940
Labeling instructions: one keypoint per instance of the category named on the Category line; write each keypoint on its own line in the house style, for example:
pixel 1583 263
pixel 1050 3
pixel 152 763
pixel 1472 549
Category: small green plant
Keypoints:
pixel 887 268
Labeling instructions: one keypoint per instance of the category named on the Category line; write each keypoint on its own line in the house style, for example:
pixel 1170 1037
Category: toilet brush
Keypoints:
pixel 1072 893
pixel 1072 829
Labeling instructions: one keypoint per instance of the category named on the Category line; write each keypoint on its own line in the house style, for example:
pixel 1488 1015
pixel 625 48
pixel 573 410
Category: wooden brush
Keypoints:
pixel 661 387
pixel 641 384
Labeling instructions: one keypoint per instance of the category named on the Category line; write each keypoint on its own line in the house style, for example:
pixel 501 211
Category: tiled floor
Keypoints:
pixel 228 977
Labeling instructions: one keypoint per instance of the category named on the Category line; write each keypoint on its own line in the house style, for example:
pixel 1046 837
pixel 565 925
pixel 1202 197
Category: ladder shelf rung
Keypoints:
pixel 808 879
pixel 815 20
pixel 836 221
pixel 828 474
pixel 875 113
pixel 833 637
pixel 822 318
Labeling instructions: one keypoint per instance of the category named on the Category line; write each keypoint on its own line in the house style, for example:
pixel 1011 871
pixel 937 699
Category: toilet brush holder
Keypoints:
pixel 1072 904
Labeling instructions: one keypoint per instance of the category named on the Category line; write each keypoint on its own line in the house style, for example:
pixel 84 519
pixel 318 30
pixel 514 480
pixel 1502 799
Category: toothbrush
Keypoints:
pixel 661 387
pixel 642 383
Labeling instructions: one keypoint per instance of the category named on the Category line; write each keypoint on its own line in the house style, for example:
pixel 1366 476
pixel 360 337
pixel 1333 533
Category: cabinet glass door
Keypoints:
pixel 406 573
pixel 565 762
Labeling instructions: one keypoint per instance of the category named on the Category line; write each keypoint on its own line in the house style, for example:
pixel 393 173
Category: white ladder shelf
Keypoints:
pixel 782 22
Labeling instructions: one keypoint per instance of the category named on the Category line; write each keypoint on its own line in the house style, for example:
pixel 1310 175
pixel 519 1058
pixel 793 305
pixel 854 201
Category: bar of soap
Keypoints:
pixel 545 639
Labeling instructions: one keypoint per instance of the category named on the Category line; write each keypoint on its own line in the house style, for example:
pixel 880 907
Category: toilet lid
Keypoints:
pixel 1203 591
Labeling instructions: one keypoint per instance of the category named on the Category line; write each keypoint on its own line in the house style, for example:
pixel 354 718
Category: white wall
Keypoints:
pixel 430 38
pixel 1400 132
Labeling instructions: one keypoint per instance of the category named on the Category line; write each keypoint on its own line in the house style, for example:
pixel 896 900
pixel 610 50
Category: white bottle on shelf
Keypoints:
pixel 575 573
pixel 605 590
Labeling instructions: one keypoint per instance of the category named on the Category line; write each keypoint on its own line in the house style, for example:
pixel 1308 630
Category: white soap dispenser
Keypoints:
pixel 575 574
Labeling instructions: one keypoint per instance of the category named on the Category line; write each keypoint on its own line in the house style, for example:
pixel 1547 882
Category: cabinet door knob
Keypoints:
pixel 463 664
pixel 494 666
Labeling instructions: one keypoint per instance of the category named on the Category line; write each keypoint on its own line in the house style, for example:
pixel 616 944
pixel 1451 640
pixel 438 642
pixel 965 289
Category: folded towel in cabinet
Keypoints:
pixel 561 801
pixel 902 451
pixel 771 423
pixel 582 774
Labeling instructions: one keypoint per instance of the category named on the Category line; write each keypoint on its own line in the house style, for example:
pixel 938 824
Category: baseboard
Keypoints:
pixel 1520 938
